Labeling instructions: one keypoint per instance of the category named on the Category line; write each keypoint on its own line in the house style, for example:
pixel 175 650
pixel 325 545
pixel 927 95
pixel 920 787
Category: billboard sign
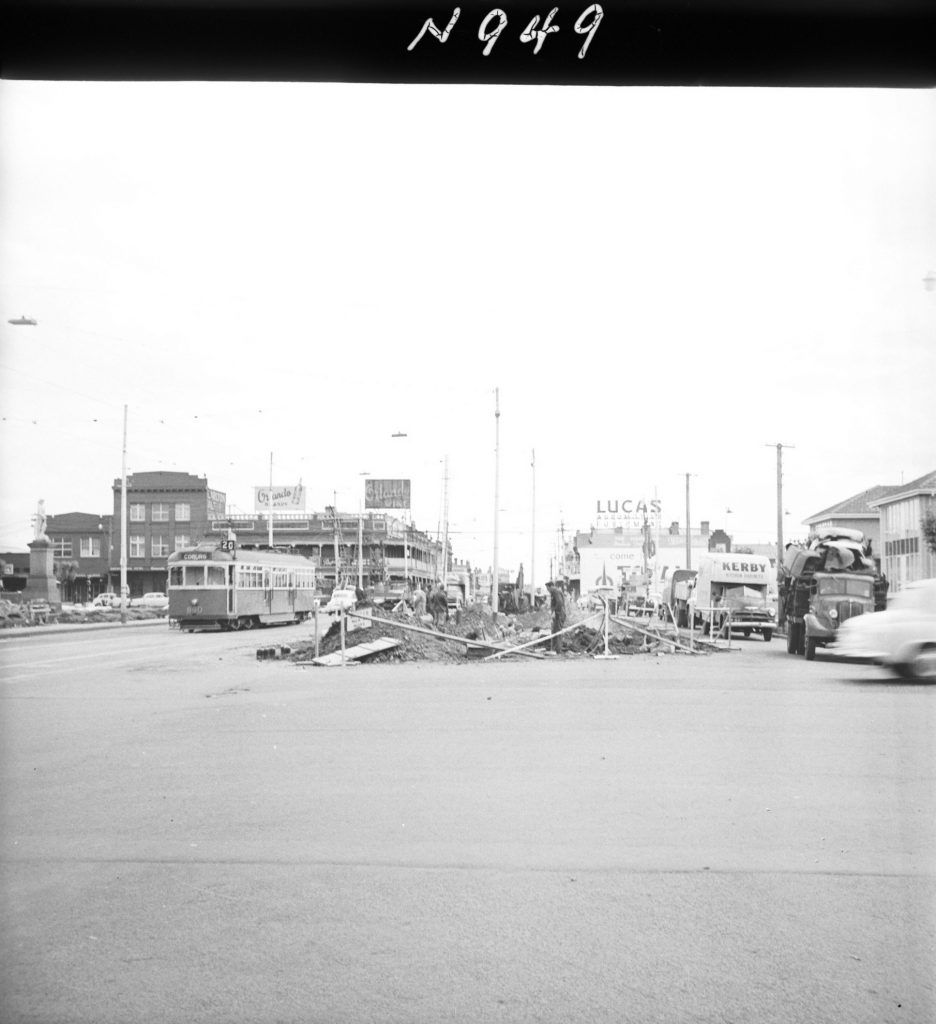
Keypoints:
pixel 608 567
pixel 629 513
pixel 283 499
pixel 387 494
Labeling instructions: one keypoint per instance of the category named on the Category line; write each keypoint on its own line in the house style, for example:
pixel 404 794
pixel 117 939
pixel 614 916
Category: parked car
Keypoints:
pixel 106 601
pixel 156 602
pixel 903 637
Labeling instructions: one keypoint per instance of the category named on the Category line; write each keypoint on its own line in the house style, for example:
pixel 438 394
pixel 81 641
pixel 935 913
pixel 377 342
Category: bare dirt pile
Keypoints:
pixel 437 647
pixel 470 627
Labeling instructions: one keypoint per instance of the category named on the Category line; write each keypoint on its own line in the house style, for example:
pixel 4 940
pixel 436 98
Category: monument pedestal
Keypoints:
pixel 42 584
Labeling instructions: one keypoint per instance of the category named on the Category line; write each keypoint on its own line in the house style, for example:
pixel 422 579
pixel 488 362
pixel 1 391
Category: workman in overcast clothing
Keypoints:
pixel 557 607
pixel 419 602
pixel 438 605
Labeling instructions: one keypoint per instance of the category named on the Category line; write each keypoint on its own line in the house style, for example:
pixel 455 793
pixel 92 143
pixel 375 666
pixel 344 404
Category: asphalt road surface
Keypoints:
pixel 192 835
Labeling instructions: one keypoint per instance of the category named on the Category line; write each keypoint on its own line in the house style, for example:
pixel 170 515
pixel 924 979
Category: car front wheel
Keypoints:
pixel 923 664
pixel 810 649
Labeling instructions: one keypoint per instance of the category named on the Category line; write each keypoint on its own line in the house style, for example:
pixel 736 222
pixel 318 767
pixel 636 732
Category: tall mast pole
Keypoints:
pixel 688 528
pixel 780 446
pixel 123 525
pixel 533 534
pixel 494 583
pixel 445 525
pixel 270 509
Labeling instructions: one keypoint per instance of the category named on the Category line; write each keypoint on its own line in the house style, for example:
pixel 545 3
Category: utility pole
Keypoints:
pixel 123 526
pixel 337 540
pixel 533 545
pixel 780 446
pixel 445 526
pixel 270 507
pixel 688 525
pixel 494 583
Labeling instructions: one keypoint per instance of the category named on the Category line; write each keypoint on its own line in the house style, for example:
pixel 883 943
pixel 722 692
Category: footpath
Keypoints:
pixel 55 628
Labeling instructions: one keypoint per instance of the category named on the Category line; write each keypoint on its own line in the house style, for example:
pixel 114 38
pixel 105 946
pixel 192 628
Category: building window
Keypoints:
pixel 160 512
pixel 182 540
pixel 137 546
pixel 90 547
pixel 62 546
pixel 137 513
pixel 160 547
pixel 183 512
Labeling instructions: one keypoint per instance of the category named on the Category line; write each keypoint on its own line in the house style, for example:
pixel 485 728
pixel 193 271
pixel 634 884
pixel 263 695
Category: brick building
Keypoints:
pixel 81 547
pixel 166 511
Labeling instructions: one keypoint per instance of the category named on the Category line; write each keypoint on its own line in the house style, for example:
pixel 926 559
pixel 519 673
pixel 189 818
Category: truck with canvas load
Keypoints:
pixel 733 591
pixel 824 584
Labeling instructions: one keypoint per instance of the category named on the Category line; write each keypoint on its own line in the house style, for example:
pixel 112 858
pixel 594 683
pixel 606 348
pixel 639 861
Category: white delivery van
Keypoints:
pixel 735 587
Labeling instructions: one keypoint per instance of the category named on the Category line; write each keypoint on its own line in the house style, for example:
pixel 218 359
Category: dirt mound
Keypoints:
pixel 428 645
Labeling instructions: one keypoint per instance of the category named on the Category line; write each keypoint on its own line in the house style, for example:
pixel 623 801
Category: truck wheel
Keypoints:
pixel 768 635
pixel 747 633
pixel 810 649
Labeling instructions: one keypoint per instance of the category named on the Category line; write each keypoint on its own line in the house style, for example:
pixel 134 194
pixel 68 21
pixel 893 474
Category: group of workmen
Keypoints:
pixel 434 604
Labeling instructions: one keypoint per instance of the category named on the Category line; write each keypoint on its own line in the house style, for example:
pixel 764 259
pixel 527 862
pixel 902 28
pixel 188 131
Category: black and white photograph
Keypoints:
pixel 468 514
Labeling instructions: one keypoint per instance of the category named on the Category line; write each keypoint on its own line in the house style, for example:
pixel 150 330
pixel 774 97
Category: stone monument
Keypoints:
pixel 42 584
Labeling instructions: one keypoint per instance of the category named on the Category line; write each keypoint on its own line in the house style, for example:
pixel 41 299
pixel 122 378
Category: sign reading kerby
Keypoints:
pixel 288 499
pixel 387 494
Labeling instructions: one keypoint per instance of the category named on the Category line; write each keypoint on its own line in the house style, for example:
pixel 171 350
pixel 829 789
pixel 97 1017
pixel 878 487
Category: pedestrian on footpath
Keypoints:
pixel 557 607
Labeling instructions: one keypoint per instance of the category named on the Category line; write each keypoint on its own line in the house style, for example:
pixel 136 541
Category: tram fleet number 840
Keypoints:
pixel 214 585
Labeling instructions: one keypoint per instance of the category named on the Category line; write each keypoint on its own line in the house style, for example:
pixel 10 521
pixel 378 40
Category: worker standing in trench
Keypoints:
pixel 557 607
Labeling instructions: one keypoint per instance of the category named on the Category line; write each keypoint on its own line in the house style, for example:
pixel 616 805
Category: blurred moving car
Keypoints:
pixel 341 600
pixel 156 602
pixel 903 637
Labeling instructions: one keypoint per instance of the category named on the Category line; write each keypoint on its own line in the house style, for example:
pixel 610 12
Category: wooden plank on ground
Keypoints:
pixel 355 653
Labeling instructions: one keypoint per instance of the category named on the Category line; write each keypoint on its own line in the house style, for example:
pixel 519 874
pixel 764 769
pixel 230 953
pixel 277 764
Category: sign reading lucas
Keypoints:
pixel 629 512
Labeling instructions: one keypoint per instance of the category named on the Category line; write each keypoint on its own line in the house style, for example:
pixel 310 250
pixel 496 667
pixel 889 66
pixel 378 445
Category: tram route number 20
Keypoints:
pixel 496 21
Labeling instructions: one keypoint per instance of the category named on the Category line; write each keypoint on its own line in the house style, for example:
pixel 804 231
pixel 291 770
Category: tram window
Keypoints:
pixel 175 576
pixel 215 575
pixel 194 575
pixel 249 577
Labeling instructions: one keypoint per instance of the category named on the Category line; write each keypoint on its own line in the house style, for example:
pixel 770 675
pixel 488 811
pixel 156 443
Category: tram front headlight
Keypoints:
pixel 194 601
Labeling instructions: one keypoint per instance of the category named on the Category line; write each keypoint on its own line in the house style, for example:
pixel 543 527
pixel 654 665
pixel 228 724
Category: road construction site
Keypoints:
pixel 476 634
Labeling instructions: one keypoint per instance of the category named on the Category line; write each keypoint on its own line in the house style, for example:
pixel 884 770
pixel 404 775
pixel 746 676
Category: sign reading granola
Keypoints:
pixel 387 494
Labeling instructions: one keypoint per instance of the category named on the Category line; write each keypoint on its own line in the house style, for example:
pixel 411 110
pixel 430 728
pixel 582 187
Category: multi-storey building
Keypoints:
pixel 371 547
pixel 81 553
pixel 906 555
pixel 166 511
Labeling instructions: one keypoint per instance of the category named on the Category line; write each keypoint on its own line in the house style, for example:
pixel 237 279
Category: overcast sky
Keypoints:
pixel 658 281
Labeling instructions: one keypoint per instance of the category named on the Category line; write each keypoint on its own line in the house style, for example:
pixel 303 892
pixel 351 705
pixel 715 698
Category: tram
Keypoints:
pixel 220 585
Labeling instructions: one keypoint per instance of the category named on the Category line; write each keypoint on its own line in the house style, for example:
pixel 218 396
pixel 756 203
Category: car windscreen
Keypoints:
pixel 739 595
